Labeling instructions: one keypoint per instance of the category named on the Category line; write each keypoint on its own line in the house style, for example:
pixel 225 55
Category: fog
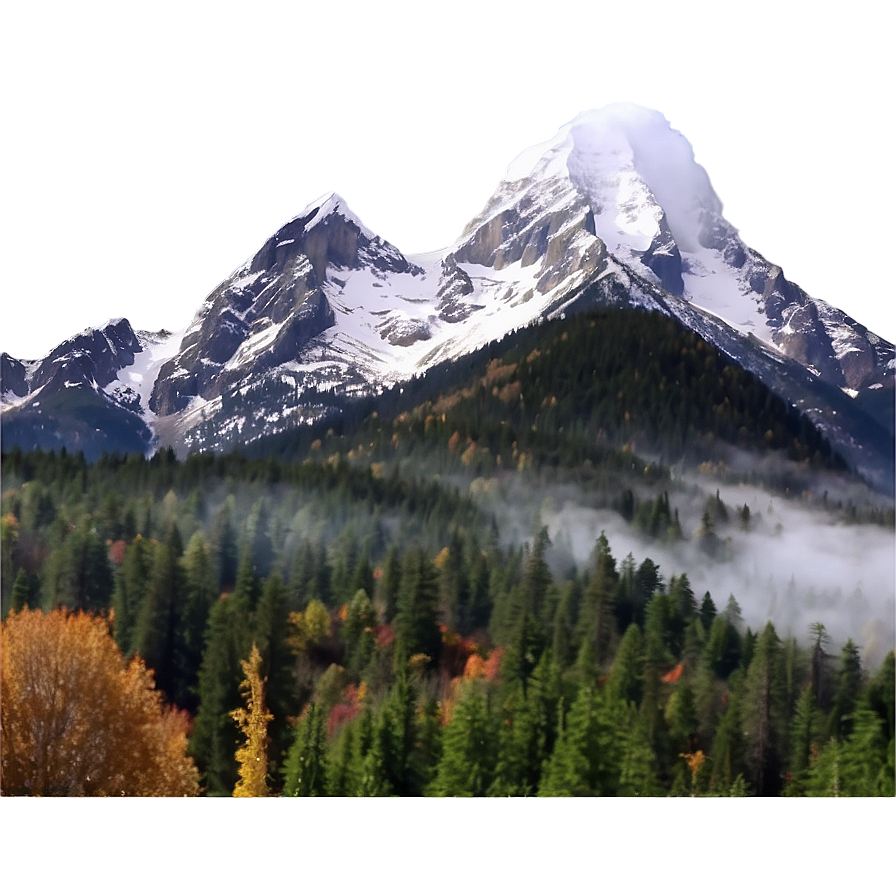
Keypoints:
pixel 792 565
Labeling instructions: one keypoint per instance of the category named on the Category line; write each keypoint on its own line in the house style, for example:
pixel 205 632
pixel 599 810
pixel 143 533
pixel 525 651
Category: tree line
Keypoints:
pixel 405 647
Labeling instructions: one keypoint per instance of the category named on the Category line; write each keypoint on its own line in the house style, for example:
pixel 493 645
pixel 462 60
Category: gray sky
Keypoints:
pixel 150 149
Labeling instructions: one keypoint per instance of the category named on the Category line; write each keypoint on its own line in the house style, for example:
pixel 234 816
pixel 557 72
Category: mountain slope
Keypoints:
pixel 612 211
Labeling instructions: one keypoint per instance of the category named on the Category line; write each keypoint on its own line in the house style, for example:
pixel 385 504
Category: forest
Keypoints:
pixel 376 606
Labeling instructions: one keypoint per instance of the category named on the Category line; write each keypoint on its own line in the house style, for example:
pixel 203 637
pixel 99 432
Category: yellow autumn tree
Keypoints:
pixel 252 719
pixel 77 719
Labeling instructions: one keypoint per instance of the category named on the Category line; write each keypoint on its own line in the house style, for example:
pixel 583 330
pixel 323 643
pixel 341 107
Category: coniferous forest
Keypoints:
pixel 389 602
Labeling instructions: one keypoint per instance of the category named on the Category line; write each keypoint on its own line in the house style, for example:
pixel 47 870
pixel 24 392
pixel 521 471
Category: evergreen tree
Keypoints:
pixel 343 763
pixel 804 738
pixel 638 772
pixel 707 611
pixel 416 623
pixel 390 584
pixel 729 745
pixel 159 635
pixel 522 745
pixel 848 688
pixel 21 592
pixel 586 756
pixel 305 771
pixel 215 734
pixel 765 713
pixel 880 695
pixel 225 550
pixel 625 679
pixel 563 625
pixel 129 592
pixel 271 626
pixel 596 621
pixel 469 749
pixel 200 583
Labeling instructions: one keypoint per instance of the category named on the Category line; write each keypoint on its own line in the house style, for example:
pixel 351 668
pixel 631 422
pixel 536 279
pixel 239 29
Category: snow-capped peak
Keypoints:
pixel 611 155
pixel 327 205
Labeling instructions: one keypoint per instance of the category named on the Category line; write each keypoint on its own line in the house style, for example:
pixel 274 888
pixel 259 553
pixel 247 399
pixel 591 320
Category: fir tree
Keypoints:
pixel 305 771
pixel 764 713
pixel 469 749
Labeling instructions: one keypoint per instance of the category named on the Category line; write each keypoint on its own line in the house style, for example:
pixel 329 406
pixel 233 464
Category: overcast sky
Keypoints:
pixel 149 149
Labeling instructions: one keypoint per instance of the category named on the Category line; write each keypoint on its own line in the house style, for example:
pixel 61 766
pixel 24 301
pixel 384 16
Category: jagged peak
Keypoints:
pixel 325 207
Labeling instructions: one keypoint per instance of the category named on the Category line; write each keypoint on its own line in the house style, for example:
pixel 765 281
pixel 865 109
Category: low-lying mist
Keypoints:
pixel 791 565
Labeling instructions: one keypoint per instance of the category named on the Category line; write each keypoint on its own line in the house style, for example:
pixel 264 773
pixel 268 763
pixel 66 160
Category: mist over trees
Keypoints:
pixel 480 587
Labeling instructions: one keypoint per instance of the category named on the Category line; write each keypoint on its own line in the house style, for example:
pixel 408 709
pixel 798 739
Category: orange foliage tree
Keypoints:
pixel 77 719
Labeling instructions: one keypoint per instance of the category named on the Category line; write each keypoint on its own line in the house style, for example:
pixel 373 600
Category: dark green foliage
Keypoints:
pixel 846 694
pixel 587 754
pixel 199 595
pixel 277 668
pixel 214 739
pixel 131 581
pixel 424 575
pixel 305 771
pixel 469 749
pixel 416 623
pixel 764 714
pixel 596 624
pixel 160 634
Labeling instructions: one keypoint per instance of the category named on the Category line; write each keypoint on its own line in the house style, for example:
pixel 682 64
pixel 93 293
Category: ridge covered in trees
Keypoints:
pixel 375 607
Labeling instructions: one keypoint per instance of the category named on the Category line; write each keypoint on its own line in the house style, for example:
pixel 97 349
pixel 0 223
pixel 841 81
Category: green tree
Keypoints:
pixel 469 748
pixel 159 635
pixel 215 734
pixel 846 693
pixel 271 628
pixel 586 759
pixel 596 620
pixel 129 593
pixel 305 771
pixel 804 739
pixel 416 623
pixel 625 679
pixel 764 714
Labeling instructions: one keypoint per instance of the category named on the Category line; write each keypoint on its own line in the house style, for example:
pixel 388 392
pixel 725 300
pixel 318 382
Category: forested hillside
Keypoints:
pixel 405 650
pixel 419 631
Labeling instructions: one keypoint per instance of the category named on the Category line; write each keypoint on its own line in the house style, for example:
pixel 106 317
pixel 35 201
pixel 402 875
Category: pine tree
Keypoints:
pixel 224 546
pixel 729 746
pixel 271 628
pixel 416 623
pixel 131 582
pixel 596 620
pixel 586 756
pixel 215 734
pixel 522 744
pixel 21 592
pixel 390 584
pixel 804 738
pixel 764 713
pixel 305 771
pixel 252 756
pixel 159 634
pixel 469 749
pixel 638 772
pixel 625 680
pixel 848 688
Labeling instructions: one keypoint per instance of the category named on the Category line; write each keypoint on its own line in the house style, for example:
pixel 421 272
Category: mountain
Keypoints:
pixel 613 211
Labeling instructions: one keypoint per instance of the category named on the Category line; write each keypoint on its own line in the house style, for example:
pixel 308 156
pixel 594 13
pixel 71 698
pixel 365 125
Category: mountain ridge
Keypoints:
pixel 613 208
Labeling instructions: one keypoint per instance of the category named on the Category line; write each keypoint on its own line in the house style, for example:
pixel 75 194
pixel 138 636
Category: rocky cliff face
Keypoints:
pixel 613 210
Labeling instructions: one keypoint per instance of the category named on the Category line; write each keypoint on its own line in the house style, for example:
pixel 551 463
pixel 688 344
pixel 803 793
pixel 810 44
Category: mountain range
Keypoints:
pixel 612 211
